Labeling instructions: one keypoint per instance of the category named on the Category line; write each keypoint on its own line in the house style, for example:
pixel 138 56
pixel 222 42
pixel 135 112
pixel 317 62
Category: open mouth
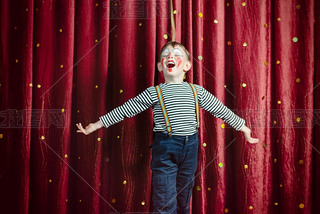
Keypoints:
pixel 170 64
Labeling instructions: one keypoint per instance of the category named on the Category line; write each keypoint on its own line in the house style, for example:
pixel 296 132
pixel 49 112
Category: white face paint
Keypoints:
pixel 165 53
pixel 177 52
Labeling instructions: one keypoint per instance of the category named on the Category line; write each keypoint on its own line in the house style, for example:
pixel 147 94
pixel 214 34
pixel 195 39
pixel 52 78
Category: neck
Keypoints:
pixel 174 79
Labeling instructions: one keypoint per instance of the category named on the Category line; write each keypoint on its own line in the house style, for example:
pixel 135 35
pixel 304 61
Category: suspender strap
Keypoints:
pixel 194 90
pixel 164 111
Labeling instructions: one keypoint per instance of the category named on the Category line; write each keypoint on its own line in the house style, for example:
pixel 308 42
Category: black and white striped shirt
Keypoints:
pixel 180 105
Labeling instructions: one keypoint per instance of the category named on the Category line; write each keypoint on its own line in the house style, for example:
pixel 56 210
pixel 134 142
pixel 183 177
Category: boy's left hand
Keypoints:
pixel 247 134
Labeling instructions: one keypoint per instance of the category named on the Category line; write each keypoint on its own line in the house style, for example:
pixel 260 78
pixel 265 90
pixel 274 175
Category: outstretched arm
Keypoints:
pixel 247 134
pixel 129 109
pixel 210 103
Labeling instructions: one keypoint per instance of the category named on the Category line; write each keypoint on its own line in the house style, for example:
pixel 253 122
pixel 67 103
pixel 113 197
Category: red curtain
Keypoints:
pixel 64 62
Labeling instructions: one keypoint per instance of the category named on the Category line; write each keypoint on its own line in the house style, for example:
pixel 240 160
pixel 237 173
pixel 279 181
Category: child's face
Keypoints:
pixel 174 62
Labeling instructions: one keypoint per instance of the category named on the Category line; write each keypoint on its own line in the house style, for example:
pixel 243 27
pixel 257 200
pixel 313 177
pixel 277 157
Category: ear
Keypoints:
pixel 187 66
pixel 159 67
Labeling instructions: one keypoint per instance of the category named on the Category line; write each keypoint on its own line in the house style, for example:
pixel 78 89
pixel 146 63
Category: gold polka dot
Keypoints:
pixel 61 66
pixel 298 7
pixel 175 12
pixel 298 119
pixel 266 25
pixel 78 157
pixel 200 14
pixel 275 160
pixel 276 204
pixel 42 137
pixel 298 80
pixel 165 36
pixel 62 110
pixel 281 185
pixel 121 91
pixel 228 4
pixel 30 84
pixel 66 156
pixel 225 85
pixel 295 39
pixel 95 40
pixel 17 60
pixel 200 57
pixel 215 21
pixel 301 162
pixel 278 19
pixel 244 85
pixel 201 38
pixel 50 180
pixel 265 63
pixel 245 44
pixel 204 144
pixel 220 164
pixel 27 9
pixel 99 139
pixel 229 43
pixel 60 30
pixel 209 189
pixel 244 4
pixel 279 102
pixel 99 184
pixel 274 122
pixel 124 182
pixel 278 62
pixel 226 210
pixel 15 27
pixel 301 206
pixel 140 66
pixel 67 200
pixel 246 166
pixel 143 203
pixel 38 45
pixel 113 200
pixel 223 126
pixel 38 86
pixel 96 86
pixel 250 207
pixel 1 136
pixel 198 188
pixel 140 24
pixel 80 200
pixel 118 136
pixel 97 4
pixel 78 111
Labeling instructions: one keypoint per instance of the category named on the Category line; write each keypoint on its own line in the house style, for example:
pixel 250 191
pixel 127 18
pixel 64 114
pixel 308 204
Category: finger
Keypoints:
pixel 254 140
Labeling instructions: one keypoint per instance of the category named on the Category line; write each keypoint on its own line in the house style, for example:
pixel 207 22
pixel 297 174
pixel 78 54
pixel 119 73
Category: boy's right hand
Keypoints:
pixel 89 129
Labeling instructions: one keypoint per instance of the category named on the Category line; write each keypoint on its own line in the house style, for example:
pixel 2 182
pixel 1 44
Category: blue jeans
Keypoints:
pixel 174 163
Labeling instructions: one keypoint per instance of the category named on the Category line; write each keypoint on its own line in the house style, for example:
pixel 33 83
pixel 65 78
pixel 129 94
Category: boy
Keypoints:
pixel 175 145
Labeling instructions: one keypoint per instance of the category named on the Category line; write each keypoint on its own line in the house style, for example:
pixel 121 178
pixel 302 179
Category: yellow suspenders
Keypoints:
pixel 164 111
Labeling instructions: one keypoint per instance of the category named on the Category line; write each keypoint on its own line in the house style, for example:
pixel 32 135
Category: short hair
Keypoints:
pixel 173 44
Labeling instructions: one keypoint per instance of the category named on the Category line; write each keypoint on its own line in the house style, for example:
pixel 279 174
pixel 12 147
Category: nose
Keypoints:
pixel 170 55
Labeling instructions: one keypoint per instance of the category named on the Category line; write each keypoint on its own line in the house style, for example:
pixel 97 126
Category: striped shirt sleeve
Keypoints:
pixel 210 103
pixel 129 109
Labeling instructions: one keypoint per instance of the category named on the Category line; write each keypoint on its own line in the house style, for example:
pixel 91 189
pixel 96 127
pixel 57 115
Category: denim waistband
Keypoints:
pixel 177 137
